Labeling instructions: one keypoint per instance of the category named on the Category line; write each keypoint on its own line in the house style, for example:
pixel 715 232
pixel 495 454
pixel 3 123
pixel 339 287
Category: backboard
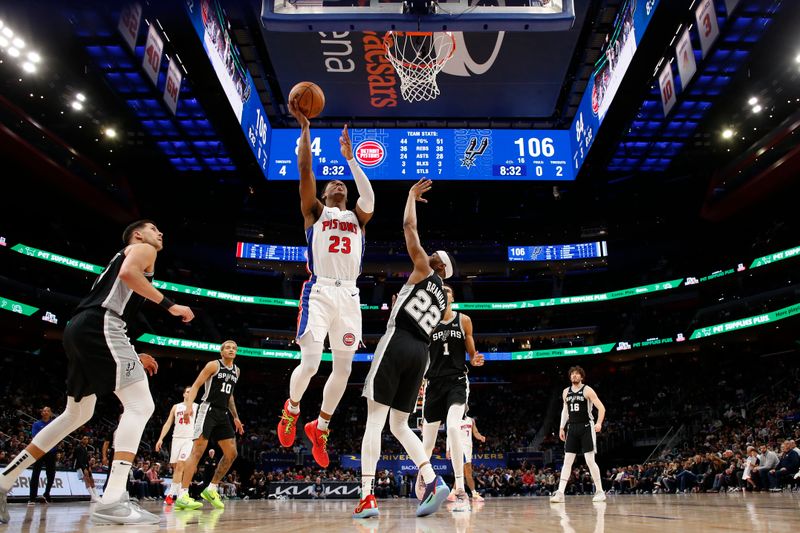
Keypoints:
pixel 418 15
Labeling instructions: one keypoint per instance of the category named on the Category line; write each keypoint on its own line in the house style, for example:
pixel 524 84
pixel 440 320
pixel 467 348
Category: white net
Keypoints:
pixel 418 57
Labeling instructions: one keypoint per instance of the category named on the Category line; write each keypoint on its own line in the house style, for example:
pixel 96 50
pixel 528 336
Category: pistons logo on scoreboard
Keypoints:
pixel 349 339
pixel 370 153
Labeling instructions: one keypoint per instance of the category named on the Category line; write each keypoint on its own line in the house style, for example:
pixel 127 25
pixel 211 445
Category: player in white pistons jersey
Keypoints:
pixel 329 304
pixel 467 430
pixel 182 437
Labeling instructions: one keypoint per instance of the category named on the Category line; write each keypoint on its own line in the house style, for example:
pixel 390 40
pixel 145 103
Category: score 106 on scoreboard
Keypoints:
pixel 449 154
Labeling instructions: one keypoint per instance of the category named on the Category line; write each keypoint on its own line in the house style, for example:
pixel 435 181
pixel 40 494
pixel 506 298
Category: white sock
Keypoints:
pixel 294 409
pixel 176 489
pixel 117 481
pixel 459 482
pixel 366 485
pixel 212 486
pixel 14 469
pixel 182 491
pixel 427 473
pixel 322 424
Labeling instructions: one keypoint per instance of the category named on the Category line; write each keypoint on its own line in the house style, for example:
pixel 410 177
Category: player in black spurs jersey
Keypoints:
pixel 212 423
pixel 447 389
pixel 100 359
pixel 578 430
pixel 393 382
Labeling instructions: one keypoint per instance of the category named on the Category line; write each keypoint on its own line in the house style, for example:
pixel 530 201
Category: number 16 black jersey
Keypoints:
pixel 420 307
pixel 219 387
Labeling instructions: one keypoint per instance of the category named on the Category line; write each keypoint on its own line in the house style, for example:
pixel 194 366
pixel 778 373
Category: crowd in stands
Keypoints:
pixel 737 433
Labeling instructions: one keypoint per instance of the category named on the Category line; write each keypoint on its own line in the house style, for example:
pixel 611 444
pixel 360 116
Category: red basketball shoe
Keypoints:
pixel 287 427
pixel 320 441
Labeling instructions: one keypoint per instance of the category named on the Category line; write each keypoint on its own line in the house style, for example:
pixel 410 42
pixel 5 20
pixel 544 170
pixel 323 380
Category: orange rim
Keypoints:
pixel 388 38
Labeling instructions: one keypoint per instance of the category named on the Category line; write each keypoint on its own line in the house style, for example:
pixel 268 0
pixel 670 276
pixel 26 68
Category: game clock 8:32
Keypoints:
pixel 395 154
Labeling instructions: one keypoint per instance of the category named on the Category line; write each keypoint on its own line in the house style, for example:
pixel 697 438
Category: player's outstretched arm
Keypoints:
pixel 310 205
pixel 211 368
pixel 365 206
pixel 591 395
pixel 475 357
pixel 141 258
pixel 165 428
pixel 416 252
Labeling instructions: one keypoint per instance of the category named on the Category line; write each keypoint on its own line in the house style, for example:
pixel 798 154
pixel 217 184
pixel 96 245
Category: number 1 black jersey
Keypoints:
pixel 448 350
pixel 420 307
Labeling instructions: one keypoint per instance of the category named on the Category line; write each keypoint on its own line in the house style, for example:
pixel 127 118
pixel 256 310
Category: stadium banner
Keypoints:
pixel 687 64
pixel 66 484
pixel 666 84
pixel 153 51
pixel 129 21
pixel 301 490
pixel 742 323
pixel 173 86
pixel 17 307
pixel 707 25
pixel 401 464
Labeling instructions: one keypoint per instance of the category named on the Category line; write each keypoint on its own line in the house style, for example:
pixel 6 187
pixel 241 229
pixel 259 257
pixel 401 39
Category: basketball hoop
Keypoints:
pixel 418 57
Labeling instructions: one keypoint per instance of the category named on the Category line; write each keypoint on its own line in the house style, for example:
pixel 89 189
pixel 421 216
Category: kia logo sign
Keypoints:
pixel 370 153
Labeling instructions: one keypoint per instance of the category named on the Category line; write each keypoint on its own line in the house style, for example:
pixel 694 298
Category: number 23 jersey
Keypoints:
pixel 335 245
pixel 419 308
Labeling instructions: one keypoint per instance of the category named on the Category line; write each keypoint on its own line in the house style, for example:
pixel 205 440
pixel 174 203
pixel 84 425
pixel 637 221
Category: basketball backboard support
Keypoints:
pixel 394 15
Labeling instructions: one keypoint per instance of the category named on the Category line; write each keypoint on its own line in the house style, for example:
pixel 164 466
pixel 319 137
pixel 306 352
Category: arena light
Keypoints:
pixel 111 133
pixel 13 52
pixel 7 32
pixel 80 97
pixel 19 43
pixel 727 133
pixel 753 101
pixel 29 67
pixel 757 108
pixel 77 106
pixel 33 57
pixel 3 41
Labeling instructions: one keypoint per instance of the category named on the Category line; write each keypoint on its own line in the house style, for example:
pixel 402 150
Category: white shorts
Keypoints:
pixel 333 308
pixel 181 449
pixel 468 454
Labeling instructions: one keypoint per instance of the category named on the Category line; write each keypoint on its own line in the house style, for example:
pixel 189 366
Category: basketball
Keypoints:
pixel 311 99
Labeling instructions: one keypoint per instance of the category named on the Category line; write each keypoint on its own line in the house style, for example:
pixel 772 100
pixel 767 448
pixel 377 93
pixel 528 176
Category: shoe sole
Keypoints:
pixel 436 504
pixel 102 520
pixel 368 513
pixel 217 505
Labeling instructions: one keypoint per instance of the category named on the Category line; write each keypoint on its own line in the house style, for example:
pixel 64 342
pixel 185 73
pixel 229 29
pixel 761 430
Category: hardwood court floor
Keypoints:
pixel 627 514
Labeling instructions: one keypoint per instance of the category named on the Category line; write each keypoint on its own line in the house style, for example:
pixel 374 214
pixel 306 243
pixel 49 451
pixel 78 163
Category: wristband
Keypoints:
pixel 166 303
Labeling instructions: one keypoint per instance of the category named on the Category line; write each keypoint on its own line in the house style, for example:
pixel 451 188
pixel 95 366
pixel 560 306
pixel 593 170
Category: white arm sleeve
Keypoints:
pixel 564 416
pixel 366 197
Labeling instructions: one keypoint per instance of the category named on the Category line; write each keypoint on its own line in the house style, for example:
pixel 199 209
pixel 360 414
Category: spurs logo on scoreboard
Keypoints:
pixel 473 151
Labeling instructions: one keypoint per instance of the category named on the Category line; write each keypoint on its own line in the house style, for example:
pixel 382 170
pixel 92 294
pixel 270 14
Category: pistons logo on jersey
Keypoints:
pixel 349 339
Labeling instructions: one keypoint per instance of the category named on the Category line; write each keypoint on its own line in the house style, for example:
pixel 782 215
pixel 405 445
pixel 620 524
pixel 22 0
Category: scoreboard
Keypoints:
pixel 449 154
pixel 558 252
pixel 271 252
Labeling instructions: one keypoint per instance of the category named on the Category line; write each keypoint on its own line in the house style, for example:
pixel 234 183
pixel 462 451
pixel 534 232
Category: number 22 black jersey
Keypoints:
pixel 419 308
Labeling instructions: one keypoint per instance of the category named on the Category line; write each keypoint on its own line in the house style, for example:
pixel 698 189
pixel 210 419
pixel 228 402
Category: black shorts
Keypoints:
pixel 395 375
pixel 580 438
pixel 441 393
pixel 100 357
pixel 213 423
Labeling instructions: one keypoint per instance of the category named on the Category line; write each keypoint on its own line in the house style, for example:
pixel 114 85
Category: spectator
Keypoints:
pixel 767 461
pixel 786 468
pixel 48 461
